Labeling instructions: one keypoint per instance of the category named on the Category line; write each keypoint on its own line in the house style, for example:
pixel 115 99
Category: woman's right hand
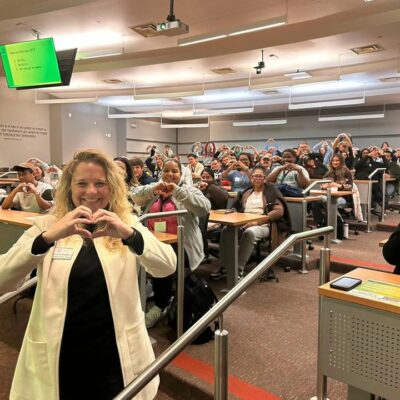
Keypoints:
pixel 70 225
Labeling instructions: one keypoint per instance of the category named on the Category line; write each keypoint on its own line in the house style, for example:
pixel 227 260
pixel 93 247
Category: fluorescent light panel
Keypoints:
pixel 188 125
pixel 170 95
pixel 326 103
pixel 271 23
pixel 260 122
pixel 225 111
pixel 349 117
pixel 292 82
pixel 201 40
pixel 101 55
pixel 67 101
pixel 298 75
pixel 135 115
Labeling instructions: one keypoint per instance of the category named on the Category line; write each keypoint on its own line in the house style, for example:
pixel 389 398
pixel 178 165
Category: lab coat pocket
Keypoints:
pixel 140 348
pixel 37 360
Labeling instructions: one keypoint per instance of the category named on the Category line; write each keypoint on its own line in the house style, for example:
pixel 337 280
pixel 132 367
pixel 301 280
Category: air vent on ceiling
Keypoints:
pixel 223 71
pixel 113 81
pixel 390 79
pixel 371 48
pixel 146 30
pixel 176 99
pixel 270 92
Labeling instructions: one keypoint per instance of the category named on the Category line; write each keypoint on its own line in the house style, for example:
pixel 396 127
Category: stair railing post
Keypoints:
pixel 181 278
pixel 324 274
pixel 221 362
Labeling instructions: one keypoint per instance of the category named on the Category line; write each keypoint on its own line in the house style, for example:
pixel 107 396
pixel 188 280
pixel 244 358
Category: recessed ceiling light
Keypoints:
pixel 223 71
pixel 370 48
pixel 112 81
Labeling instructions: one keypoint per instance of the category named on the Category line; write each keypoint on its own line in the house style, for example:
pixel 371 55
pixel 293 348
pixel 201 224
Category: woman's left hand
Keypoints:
pixel 114 226
pixel 249 225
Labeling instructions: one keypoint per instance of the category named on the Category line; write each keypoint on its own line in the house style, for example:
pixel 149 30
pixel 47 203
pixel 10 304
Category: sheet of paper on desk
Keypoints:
pixel 30 218
pixel 381 291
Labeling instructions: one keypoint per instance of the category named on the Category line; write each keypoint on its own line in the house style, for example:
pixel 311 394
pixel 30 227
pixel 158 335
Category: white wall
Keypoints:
pixel 86 126
pixel 188 136
pixel 24 127
pixel 140 133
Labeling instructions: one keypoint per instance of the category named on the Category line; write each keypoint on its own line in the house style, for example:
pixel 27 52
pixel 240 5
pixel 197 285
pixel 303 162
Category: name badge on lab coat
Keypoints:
pixel 62 253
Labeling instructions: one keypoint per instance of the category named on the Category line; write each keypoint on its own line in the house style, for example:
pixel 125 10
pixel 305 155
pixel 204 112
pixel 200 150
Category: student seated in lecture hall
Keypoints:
pixel 290 173
pixel 27 196
pixel 264 199
pixel 170 194
pixel 86 337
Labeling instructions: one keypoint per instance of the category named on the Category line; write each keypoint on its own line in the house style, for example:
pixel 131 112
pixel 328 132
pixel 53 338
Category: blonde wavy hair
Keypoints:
pixel 115 179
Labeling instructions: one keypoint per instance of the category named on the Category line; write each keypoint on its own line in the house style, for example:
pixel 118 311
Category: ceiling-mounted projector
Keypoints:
pixel 172 28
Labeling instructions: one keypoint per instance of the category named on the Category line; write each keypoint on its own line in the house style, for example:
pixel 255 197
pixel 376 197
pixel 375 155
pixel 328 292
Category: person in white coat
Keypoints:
pixel 86 337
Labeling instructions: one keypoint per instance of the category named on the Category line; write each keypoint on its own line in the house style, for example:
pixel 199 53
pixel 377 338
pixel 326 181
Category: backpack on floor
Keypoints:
pixel 198 299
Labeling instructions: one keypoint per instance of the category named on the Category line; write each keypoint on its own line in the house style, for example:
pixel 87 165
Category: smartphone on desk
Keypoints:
pixel 345 283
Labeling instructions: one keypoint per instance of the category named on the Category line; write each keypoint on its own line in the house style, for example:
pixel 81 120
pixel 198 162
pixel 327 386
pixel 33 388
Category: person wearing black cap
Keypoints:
pixel 27 196
pixel 391 249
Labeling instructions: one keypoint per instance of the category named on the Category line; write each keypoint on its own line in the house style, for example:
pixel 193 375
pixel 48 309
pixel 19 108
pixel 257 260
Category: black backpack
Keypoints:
pixel 198 299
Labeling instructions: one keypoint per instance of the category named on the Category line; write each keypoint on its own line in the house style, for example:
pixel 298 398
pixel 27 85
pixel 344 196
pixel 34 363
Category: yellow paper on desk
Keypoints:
pixel 380 291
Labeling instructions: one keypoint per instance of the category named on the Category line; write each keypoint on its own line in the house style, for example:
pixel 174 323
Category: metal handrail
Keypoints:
pixel 375 171
pixel 309 187
pixel 145 217
pixel 167 356
pixel 383 183
pixel 180 284
pixel 9 295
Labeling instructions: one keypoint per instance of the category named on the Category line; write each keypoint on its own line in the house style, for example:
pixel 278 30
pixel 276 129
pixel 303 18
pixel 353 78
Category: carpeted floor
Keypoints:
pixel 273 334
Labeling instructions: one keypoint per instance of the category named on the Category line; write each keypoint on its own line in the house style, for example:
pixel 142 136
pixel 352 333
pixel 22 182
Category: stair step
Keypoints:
pixel 386 226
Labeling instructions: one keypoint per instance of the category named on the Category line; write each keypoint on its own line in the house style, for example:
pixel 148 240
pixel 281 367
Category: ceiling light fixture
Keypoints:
pixel 274 83
pixel 117 53
pixel 65 100
pixel 349 116
pixel 271 23
pixel 260 122
pixel 224 111
pixel 298 75
pixel 135 115
pixel 170 95
pixel 325 103
pixel 186 125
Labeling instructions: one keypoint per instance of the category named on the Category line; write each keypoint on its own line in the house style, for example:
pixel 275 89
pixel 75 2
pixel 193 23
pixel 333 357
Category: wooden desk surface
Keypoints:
pixel 339 193
pixel 390 179
pixel 308 199
pixel 364 274
pixel 21 218
pixel 8 181
pixel 166 237
pixel 382 242
pixel 236 218
pixel 364 181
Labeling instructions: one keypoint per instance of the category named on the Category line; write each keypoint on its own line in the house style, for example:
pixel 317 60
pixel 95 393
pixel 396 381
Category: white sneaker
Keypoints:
pixel 154 315
pixel 240 275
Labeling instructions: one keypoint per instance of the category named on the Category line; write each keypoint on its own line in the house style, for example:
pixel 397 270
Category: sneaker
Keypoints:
pixel 240 275
pixel 154 315
pixel 221 273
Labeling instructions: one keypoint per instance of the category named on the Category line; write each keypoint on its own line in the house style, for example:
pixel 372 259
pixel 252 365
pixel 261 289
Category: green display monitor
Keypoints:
pixel 32 63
